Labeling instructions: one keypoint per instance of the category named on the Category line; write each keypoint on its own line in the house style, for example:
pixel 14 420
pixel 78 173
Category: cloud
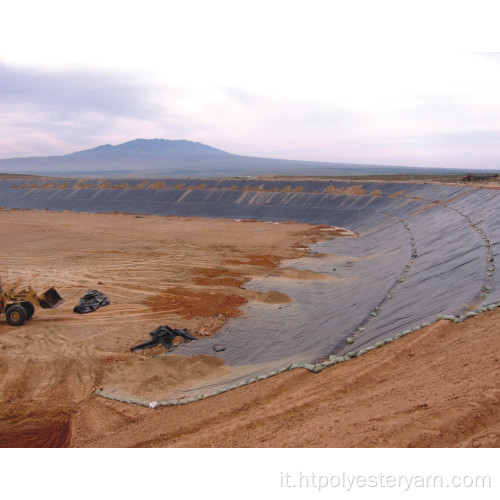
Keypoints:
pixel 74 91
pixel 46 112
pixel 421 111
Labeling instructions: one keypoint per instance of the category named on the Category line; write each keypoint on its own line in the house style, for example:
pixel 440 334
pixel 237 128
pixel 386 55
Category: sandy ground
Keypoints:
pixel 489 183
pixel 438 387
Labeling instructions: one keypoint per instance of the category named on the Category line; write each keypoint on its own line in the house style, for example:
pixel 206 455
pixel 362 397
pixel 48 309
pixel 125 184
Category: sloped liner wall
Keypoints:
pixel 424 251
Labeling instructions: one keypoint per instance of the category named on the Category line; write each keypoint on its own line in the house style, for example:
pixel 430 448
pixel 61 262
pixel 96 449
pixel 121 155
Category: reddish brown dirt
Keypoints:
pixel 36 429
pixel 190 304
pixel 437 387
pixel 219 277
pixel 155 270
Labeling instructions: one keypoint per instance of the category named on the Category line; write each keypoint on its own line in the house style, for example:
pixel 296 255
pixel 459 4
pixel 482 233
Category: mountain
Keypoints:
pixel 139 155
pixel 160 149
pixel 179 158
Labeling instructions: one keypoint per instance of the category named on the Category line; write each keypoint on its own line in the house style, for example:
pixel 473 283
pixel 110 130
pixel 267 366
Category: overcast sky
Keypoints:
pixel 371 82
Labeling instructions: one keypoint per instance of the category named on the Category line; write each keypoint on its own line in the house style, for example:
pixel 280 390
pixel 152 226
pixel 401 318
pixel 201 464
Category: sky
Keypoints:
pixel 386 82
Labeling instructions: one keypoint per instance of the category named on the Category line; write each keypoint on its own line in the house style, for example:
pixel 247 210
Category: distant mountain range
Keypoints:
pixel 180 158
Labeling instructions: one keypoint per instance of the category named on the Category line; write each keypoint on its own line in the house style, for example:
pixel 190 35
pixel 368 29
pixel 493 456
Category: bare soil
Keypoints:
pixel 182 272
pixel 438 387
pixel 492 182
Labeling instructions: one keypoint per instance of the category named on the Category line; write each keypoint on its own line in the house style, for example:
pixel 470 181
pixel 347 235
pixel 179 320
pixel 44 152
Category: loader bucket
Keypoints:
pixel 50 299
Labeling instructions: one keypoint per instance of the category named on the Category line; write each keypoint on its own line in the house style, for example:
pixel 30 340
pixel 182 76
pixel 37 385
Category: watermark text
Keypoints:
pixel 403 482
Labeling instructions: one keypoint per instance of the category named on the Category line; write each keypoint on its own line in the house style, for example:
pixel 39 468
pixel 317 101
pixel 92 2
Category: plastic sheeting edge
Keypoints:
pixel 314 368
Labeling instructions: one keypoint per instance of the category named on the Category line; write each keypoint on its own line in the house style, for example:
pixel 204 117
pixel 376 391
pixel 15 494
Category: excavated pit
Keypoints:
pixel 43 429
pixel 421 250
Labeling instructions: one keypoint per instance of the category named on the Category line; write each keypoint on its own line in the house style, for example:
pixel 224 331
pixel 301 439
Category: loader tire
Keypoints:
pixel 29 308
pixel 16 315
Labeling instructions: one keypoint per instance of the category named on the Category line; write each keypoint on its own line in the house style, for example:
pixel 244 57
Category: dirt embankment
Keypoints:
pixel 437 387
pixel 182 272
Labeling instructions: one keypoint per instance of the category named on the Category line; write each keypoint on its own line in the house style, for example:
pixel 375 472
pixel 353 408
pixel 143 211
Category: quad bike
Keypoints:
pixel 20 306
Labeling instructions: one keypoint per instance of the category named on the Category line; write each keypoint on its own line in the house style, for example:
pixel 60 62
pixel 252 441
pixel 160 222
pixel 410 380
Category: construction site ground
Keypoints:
pixel 439 387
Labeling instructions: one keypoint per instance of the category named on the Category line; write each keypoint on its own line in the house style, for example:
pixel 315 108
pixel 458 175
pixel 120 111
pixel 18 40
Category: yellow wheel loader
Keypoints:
pixel 20 306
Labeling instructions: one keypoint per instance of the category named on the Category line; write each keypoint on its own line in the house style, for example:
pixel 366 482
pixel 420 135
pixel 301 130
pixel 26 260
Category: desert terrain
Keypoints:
pixel 438 387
